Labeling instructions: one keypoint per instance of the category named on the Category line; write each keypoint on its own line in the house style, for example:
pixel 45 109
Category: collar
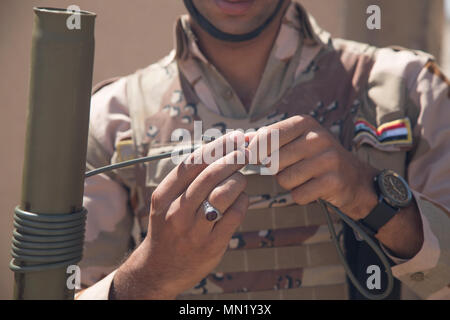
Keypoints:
pixel 297 23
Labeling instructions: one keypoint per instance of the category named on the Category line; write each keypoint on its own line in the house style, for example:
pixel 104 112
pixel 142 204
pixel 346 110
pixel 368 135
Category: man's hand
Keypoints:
pixel 182 246
pixel 313 165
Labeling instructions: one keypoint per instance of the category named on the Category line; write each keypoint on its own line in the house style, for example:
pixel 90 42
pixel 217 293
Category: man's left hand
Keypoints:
pixel 314 165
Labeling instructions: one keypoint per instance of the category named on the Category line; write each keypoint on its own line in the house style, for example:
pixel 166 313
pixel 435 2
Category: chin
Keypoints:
pixel 235 25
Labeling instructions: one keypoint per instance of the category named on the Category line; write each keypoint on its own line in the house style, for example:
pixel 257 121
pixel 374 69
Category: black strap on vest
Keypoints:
pixel 359 257
pixel 216 33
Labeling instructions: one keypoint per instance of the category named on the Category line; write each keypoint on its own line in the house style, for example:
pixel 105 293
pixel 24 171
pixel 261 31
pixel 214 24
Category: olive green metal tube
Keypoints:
pixel 57 128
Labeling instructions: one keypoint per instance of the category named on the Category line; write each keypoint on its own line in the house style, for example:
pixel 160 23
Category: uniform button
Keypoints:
pixel 418 276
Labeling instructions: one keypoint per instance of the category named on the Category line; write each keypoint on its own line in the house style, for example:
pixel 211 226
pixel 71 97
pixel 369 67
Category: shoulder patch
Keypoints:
pixel 392 135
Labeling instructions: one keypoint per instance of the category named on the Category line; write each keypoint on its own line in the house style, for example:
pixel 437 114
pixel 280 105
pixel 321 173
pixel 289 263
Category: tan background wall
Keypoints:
pixel 410 23
pixel 132 34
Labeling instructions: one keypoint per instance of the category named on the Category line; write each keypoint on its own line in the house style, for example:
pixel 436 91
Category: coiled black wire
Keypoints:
pixel 46 241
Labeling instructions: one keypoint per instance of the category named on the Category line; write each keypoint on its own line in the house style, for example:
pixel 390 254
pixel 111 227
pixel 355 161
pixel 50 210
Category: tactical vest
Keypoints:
pixel 282 250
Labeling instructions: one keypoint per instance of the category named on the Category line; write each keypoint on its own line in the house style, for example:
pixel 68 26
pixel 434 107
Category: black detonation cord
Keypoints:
pixel 218 34
pixel 371 243
pixel 324 205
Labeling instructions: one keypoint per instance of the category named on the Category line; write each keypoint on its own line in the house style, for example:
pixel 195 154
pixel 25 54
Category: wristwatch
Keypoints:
pixel 393 194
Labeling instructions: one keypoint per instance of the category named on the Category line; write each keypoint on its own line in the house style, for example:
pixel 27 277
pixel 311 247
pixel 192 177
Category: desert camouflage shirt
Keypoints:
pixel 389 106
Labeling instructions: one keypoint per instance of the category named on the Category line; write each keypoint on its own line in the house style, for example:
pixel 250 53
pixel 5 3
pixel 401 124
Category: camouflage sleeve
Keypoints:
pixel 428 273
pixel 109 221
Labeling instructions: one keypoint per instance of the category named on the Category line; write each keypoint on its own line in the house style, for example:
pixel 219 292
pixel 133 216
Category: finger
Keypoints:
pixel 287 131
pixel 314 189
pixel 209 178
pixel 176 182
pixel 226 193
pixel 224 229
pixel 307 146
pixel 262 143
pixel 304 170
pixel 221 198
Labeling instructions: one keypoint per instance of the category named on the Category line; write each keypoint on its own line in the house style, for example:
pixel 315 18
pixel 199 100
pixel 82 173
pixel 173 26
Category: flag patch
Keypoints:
pixel 394 133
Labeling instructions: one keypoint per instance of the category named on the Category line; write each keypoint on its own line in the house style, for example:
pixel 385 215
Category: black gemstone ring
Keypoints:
pixel 211 213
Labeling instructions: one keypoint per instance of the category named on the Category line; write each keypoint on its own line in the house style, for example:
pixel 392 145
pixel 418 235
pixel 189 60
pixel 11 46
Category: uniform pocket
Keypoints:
pixel 124 151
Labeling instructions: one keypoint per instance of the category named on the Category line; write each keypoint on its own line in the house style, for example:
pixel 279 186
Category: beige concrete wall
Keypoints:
pixel 414 24
pixel 130 34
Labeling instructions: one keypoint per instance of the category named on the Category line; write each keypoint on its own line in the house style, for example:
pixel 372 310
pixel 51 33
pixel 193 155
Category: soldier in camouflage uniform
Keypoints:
pixel 388 108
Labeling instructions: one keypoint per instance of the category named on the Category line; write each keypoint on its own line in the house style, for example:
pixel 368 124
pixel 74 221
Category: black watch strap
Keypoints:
pixel 379 216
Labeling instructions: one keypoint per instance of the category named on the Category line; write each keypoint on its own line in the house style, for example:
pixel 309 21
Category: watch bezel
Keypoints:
pixel 387 196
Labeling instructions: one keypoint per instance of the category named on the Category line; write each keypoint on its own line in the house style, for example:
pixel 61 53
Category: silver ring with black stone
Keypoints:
pixel 211 213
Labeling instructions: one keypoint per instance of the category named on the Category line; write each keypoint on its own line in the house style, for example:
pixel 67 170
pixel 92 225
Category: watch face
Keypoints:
pixel 394 188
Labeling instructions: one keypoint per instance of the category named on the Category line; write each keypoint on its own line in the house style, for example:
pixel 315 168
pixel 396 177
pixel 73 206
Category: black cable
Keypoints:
pixel 135 161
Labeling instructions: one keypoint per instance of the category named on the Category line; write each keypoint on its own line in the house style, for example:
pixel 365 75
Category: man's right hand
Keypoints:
pixel 182 246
